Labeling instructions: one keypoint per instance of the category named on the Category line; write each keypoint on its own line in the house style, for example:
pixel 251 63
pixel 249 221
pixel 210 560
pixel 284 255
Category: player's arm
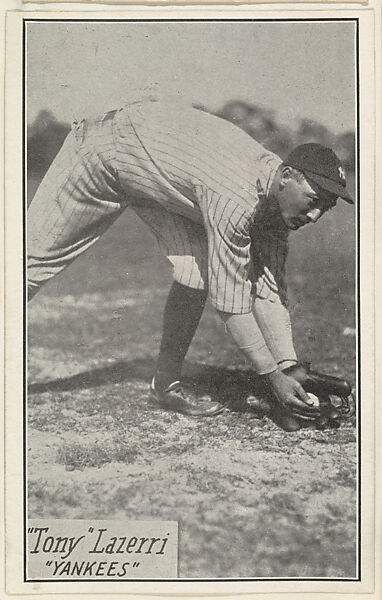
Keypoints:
pixel 273 319
pixel 269 251
pixel 249 338
pixel 230 287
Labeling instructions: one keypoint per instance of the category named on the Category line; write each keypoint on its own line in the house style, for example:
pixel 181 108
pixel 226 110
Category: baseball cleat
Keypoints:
pixel 177 399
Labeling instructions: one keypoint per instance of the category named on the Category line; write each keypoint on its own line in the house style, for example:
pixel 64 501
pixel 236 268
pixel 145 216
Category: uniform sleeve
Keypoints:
pixel 227 225
pixel 269 252
pixel 274 322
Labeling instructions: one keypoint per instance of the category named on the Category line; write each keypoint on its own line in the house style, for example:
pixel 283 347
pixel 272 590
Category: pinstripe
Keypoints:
pixel 216 249
pixel 236 279
pixel 71 209
pixel 196 169
pixel 209 159
pixel 227 189
pixel 181 151
pixel 198 145
pixel 88 211
pixel 71 179
pixel 51 214
pixel 184 262
pixel 225 261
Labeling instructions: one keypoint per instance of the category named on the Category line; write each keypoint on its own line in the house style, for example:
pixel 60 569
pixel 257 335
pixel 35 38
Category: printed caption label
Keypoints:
pixel 98 550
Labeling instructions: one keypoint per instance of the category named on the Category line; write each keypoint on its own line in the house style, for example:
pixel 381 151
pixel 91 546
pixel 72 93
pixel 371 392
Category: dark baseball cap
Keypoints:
pixel 322 166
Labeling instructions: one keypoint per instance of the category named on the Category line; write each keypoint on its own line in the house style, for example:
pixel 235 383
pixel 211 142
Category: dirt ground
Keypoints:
pixel 251 500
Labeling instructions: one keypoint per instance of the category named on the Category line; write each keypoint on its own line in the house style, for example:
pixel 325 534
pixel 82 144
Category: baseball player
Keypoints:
pixel 221 207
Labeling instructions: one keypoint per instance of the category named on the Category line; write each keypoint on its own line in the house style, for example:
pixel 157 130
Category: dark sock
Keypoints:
pixel 182 313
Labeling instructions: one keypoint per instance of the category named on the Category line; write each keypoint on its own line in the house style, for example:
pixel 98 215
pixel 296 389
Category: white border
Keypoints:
pixel 13 309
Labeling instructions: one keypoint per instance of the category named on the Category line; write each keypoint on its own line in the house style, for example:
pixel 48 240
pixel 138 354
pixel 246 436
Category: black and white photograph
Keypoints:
pixel 192 315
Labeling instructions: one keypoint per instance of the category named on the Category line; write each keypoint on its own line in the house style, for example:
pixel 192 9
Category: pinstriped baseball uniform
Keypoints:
pixel 199 182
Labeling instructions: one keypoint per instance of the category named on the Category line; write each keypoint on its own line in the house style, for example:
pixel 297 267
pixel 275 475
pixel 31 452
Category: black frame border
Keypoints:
pixel 357 295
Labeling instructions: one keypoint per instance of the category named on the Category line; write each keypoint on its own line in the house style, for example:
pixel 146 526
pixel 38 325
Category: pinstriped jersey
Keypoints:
pixel 211 173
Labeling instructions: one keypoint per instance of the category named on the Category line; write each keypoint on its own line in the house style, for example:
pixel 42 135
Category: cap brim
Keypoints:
pixel 330 186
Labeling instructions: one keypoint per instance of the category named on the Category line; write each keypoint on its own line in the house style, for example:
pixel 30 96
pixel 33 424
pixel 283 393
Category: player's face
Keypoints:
pixel 300 203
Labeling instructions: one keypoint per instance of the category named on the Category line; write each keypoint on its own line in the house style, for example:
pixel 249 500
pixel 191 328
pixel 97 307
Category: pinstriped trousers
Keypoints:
pixel 81 196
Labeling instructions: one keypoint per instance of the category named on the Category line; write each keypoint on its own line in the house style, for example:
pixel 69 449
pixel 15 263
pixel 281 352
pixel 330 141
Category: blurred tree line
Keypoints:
pixel 46 134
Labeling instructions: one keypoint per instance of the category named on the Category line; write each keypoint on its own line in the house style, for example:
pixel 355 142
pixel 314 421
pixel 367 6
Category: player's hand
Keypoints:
pixel 290 394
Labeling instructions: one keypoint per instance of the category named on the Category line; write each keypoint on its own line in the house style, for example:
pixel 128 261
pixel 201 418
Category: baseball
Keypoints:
pixel 314 398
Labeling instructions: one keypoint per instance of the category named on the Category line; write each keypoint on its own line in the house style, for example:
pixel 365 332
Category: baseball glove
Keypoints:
pixel 336 402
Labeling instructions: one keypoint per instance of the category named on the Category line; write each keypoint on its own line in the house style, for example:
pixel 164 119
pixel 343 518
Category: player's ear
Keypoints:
pixel 286 176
